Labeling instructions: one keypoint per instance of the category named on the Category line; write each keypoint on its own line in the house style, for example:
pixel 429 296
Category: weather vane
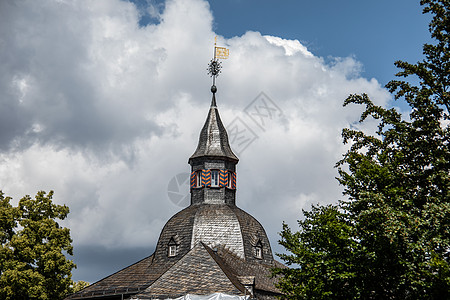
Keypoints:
pixel 214 66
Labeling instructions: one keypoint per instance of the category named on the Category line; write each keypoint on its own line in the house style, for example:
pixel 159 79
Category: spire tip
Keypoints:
pixel 213 101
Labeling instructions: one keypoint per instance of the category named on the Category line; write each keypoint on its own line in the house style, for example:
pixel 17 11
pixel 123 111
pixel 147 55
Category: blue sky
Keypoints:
pixel 103 101
pixel 377 33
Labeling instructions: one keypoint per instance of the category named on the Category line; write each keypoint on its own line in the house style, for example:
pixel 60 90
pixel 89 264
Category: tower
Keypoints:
pixel 212 218
pixel 211 246
pixel 213 164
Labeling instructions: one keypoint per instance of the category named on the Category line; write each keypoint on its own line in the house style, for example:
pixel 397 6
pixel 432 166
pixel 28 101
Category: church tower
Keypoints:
pixel 211 246
pixel 213 164
pixel 212 217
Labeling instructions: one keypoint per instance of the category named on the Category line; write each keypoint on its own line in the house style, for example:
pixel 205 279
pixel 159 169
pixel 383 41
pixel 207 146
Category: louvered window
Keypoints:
pixel 172 250
pixel 172 247
pixel 229 179
pixel 198 179
pixel 259 250
pixel 214 178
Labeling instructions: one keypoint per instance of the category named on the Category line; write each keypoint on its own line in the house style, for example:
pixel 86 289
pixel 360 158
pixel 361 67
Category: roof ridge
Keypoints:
pixel 229 272
pixel 198 251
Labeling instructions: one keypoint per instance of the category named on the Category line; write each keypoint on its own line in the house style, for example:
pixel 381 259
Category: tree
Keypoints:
pixel 33 246
pixel 79 285
pixel 398 186
pixel 323 250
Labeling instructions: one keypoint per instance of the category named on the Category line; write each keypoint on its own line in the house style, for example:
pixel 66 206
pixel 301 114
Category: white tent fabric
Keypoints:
pixel 215 296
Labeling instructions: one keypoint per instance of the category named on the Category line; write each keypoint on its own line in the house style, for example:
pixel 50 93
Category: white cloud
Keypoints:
pixel 290 46
pixel 105 113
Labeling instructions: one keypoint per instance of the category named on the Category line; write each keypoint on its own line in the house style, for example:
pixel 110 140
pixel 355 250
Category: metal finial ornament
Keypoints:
pixel 214 69
pixel 215 66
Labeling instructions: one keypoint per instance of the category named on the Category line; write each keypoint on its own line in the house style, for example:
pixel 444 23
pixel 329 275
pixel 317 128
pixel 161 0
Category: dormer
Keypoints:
pixel 173 246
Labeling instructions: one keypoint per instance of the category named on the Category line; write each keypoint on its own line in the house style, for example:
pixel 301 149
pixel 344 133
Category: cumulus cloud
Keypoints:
pixel 105 112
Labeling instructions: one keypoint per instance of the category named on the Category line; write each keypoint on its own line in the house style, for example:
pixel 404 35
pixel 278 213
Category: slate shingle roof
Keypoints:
pixel 204 271
pixel 214 224
pixel 244 269
pixel 213 141
pixel 129 280
pixel 201 271
pixel 237 267
pixel 195 273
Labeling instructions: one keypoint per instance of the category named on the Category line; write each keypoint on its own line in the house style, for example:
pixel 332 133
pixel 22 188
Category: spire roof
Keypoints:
pixel 213 140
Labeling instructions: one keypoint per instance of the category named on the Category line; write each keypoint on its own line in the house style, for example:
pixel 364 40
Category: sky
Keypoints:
pixel 103 102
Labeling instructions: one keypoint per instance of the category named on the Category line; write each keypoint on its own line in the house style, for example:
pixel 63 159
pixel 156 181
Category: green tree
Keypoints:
pixel 33 264
pixel 323 251
pixel 397 183
pixel 79 285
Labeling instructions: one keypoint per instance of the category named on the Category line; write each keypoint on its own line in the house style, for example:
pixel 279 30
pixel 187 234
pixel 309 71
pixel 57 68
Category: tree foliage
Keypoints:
pixel 33 264
pixel 397 216
pixel 79 285
pixel 322 248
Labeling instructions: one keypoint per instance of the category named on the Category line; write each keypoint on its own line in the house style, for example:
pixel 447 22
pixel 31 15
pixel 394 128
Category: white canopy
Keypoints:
pixel 215 296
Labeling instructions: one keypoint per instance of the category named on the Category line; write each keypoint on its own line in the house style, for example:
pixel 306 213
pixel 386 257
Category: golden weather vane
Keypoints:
pixel 214 66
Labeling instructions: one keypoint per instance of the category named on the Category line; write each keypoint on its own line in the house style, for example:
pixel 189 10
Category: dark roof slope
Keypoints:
pixel 201 271
pixel 179 227
pixel 195 273
pixel 131 279
pixel 213 224
pixel 203 222
pixel 204 271
pixel 213 140
pixel 253 232
pixel 242 268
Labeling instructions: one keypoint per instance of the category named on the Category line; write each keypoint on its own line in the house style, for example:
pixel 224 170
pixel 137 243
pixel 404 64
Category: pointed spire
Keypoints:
pixel 213 101
pixel 213 141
